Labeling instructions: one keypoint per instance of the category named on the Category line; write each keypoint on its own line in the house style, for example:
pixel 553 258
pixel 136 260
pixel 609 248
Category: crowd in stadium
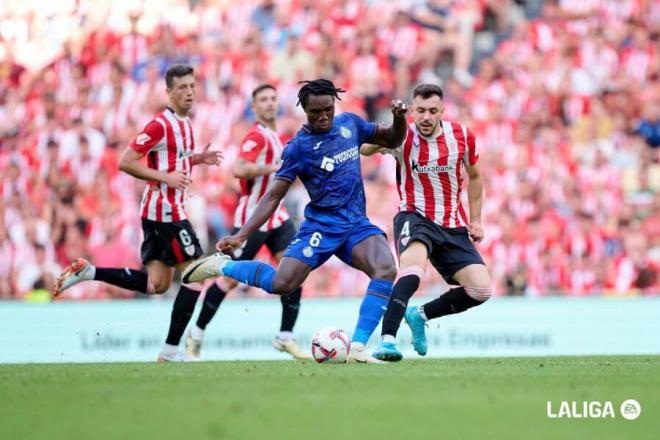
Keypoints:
pixel 564 98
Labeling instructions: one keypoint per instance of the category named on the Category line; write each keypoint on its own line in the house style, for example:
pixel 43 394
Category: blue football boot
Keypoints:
pixel 387 351
pixel 417 324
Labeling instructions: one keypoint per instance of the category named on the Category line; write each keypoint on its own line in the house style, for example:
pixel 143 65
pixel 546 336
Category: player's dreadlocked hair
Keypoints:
pixel 317 87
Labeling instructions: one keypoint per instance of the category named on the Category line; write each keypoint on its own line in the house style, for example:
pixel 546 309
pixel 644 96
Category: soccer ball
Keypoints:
pixel 330 346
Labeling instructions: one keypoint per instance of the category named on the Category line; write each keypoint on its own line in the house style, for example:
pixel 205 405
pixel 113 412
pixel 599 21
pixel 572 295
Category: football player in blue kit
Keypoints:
pixel 325 156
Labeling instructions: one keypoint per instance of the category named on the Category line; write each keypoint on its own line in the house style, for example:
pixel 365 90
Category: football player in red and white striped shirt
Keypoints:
pixel 431 224
pixel 169 240
pixel 255 166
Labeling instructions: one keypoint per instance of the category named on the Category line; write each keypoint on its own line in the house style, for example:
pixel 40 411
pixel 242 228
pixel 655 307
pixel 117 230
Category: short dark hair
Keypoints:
pixel 261 88
pixel 427 90
pixel 177 71
pixel 317 87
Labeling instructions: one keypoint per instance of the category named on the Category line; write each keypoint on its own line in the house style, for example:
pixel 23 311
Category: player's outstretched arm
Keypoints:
pixel 244 169
pixel 475 192
pixel 207 157
pixel 130 162
pixel 394 135
pixel 370 149
pixel 264 210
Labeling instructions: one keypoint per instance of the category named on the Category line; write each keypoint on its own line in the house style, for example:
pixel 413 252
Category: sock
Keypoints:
pixel 252 273
pixel 197 333
pixel 169 349
pixel 420 309
pixel 212 299
pixel 125 278
pixel 403 290
pixel 372 308
pixel 285 336
pixel 182 310
pixel 290 307
pixel 455 300
pixel 388 339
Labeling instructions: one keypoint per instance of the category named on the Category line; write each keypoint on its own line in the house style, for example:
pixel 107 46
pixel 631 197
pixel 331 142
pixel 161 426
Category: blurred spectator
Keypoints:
pixel 564 105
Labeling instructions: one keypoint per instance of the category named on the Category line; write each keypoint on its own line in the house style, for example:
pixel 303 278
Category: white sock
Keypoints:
pixel 388 338
pixel 197 333
pixel 285 336
pixel 169 349
pixel 90 273
pixel 357 346
pixel 422 314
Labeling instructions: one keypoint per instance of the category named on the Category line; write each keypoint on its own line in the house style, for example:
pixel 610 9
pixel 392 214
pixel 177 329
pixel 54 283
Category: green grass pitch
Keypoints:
pixel 427 399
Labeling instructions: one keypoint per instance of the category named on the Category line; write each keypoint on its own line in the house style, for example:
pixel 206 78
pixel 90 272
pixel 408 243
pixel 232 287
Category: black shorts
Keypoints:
pixel 171 243
pixel 450 249
pixel 276 241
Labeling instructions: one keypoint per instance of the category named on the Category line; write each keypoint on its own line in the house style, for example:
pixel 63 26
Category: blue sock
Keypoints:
pixel 372 309
pixel 252 273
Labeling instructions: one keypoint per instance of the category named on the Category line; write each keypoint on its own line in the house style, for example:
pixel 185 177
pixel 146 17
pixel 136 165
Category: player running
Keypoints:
pixel 324 155
pixel 169 239
pixel 431 223
pixel 257 161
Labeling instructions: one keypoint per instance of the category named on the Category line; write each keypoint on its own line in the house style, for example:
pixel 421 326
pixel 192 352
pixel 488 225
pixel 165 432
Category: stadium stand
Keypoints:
pixel 564 98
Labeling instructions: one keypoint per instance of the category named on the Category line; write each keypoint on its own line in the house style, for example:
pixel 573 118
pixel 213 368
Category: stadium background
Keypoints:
pixel 563 97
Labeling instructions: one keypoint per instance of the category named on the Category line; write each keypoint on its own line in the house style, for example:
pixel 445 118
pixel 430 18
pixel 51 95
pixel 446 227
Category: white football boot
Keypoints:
pixel 193 347
pixel 79 270
pixel 178 356
pixel 290 346
pixel 204 268
pixel 358 354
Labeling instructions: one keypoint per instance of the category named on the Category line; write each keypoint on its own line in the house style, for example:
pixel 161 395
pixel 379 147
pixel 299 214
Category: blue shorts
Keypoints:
pixel 316 242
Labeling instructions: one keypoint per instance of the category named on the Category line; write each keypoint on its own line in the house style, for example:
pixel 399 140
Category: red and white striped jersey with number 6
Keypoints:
pixel 169 144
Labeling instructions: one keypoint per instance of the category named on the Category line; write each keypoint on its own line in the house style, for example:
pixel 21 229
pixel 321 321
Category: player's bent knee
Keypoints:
pixel 479 293
pixel 161 287
pixel 414 271
pixel 385 271
pixel 284 285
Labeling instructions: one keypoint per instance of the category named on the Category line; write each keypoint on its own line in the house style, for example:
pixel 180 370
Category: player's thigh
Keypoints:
pixel 160 274
pixel 291 273
pixel 458 260
pixel 373 257
pixel 416 254
pixel 473 275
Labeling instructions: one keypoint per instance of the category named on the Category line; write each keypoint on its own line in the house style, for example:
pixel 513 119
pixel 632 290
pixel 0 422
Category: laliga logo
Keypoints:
pixel 630 409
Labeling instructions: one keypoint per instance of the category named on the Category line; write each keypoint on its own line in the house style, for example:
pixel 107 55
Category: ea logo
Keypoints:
pixel 630 409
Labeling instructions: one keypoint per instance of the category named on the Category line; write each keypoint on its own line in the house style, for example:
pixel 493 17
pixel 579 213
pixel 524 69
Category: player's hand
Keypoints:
pixel 399 108
pixel 271 168
pixel 211 157
pixel 476 231
pixel 228 244
pixel 178 179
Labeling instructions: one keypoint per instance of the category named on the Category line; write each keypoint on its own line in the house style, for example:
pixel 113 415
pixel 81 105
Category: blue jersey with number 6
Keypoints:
pixel 328 164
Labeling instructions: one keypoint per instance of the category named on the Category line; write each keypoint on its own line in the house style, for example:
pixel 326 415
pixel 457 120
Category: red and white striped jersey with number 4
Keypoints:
pixel 261 146
pixel 169 143
pixel 430 173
